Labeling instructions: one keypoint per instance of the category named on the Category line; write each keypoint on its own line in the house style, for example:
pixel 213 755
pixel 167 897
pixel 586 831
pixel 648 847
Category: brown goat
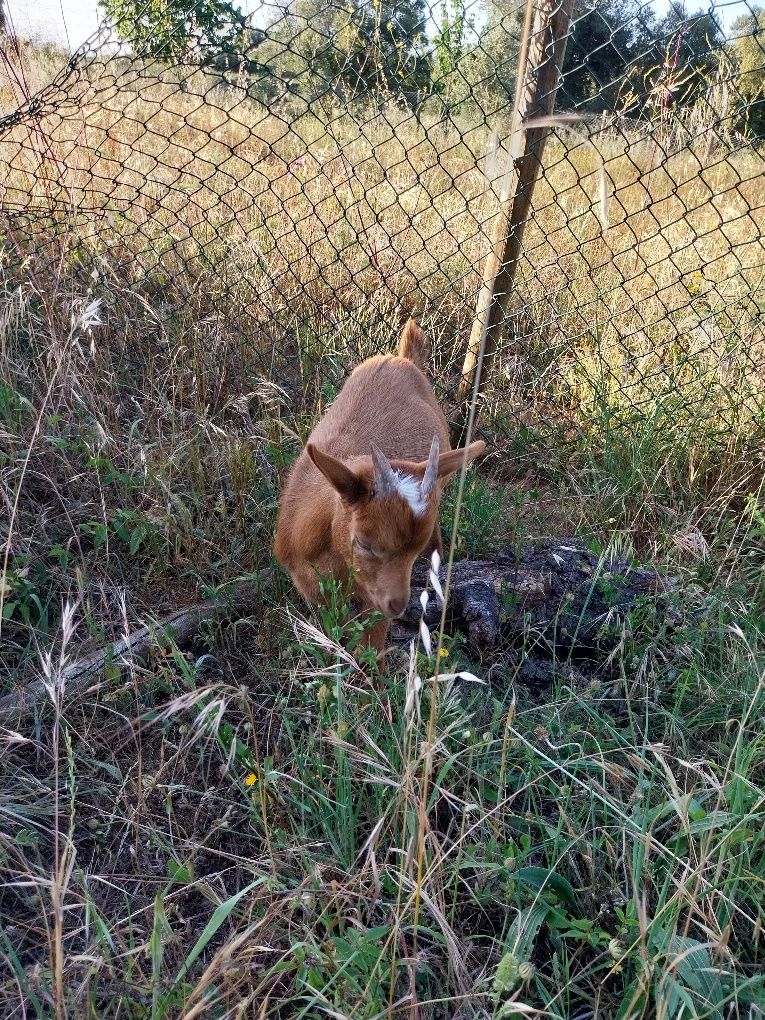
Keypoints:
pixel 362 498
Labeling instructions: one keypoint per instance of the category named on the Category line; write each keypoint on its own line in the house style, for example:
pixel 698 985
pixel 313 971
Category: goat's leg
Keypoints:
pixel 377 638
pixel 306 581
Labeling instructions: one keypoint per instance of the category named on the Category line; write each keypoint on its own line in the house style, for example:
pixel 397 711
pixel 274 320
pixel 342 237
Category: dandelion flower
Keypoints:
pixel 251 779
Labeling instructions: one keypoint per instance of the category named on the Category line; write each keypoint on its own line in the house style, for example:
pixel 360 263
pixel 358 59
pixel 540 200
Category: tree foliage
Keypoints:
pixel 747 47
pixel 496 52
pixel 348 47
pixel 176 29
pixel 608 40
pixel 450 45
pixel 689 48
pixel 619 55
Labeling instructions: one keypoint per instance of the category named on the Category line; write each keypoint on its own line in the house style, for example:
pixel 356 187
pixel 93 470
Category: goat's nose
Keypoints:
pixel 396 606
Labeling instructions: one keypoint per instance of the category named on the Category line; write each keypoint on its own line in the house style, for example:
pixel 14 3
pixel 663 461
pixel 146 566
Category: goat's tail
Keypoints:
pixel 413 345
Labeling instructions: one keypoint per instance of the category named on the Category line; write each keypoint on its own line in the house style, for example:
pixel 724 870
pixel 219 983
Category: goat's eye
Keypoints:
pixel 362 547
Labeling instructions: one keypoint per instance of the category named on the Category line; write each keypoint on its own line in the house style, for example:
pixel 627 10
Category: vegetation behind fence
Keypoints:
pixel 339 165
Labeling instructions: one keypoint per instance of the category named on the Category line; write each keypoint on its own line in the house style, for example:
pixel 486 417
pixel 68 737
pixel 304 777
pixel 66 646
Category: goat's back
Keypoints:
pixel 387 400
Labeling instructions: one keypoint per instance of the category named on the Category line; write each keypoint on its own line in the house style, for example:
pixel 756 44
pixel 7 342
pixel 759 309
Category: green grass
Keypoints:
pixel 253 824
pixel 317 844
pixel 254 827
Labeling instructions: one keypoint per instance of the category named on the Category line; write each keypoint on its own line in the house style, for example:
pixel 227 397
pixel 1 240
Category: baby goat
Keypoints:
pixel 362 498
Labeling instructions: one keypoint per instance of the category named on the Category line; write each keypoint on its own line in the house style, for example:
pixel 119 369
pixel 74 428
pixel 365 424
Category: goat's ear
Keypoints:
pixel 451 461
pixel 351 487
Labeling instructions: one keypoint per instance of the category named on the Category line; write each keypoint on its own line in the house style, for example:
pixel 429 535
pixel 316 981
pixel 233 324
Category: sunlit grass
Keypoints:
pixel 253 826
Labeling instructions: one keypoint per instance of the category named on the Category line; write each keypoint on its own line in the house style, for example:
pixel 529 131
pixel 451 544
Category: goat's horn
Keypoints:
pixel 431 469
pixel 383 474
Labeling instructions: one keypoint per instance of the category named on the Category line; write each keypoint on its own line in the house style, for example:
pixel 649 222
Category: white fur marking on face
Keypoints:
pixel 409 490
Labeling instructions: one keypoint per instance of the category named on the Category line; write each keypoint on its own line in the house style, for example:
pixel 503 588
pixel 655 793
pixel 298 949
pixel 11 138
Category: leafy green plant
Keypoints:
pixel 341 624
pixel 483 516
pixel 23 594
pixel 351 969
pixel 13 407
pixel 129 526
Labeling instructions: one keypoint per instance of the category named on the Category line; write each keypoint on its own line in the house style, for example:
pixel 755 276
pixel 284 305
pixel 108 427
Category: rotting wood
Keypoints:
pixel 540 62
pixel 570 601
pixel 555 595
pixel 232 601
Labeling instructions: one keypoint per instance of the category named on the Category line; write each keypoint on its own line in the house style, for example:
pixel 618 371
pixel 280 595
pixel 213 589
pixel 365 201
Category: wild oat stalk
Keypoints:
pixel 64 852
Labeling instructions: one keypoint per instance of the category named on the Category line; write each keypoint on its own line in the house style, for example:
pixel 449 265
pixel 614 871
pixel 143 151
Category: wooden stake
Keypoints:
pixel 543 47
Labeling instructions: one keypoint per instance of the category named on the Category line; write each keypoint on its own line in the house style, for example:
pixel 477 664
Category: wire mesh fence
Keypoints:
pixel 270 198
pixel 204 225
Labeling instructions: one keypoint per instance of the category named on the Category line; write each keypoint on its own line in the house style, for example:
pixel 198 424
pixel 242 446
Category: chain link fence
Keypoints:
pixel 269 199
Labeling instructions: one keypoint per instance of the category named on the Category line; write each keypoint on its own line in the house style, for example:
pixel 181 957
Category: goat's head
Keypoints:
pixel 391 516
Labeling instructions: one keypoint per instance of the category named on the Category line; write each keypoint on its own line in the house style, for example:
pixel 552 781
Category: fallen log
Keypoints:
pixel 231 602
pixel 573 601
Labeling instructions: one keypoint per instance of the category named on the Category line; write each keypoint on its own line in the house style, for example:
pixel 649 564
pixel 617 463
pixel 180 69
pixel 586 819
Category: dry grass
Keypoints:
pixel 251 828
pixel 366 211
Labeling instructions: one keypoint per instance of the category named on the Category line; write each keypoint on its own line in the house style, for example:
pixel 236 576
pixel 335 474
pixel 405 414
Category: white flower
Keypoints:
pixel 90 316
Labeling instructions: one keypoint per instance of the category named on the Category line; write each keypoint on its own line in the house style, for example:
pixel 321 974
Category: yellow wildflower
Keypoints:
pixel 251 779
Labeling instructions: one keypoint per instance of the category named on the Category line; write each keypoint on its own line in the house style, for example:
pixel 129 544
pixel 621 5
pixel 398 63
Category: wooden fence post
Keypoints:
pixel 539 66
